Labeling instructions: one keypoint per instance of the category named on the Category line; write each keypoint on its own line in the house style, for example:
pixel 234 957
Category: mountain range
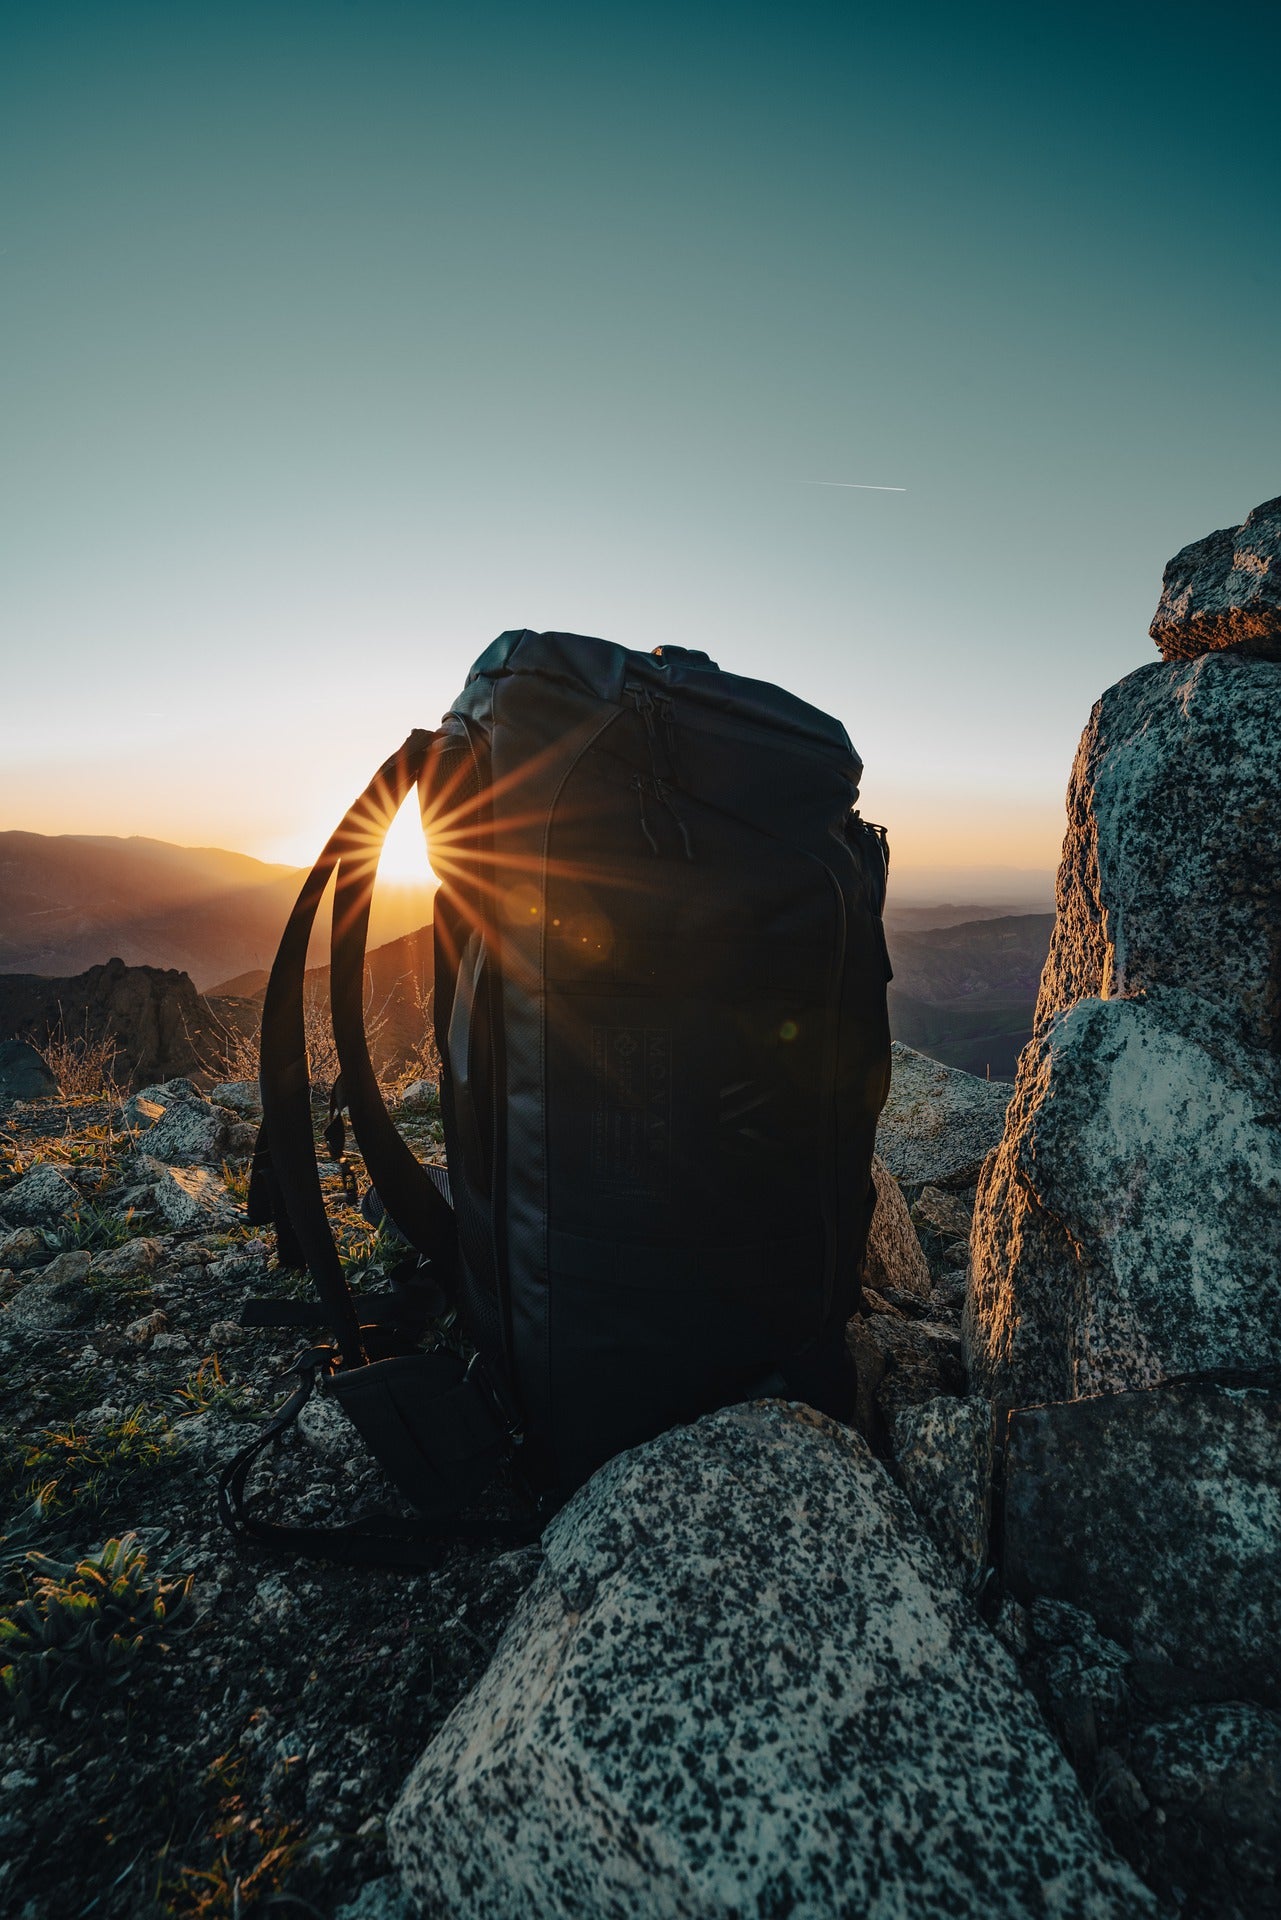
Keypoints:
pixel 966 992
pixel 69 901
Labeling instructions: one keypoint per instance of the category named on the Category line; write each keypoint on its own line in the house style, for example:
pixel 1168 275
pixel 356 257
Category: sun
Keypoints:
pixel 404 856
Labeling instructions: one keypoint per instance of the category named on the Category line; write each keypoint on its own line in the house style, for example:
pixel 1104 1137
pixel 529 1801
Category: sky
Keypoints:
pixel 338 338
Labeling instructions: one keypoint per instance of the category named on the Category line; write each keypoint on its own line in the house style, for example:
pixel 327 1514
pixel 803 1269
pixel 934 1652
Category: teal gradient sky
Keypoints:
pixel 337 338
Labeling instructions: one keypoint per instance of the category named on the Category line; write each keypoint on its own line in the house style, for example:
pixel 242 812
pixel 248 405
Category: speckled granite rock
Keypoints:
pixel 1224 591
pixel 1215 1774
pixel 54 1298
pixel 187 1196
pixel 40 1199
pixel 943 1455
pixel 1157 1512
pixel 382 1899
pixel 894 1256
pixel 743 1685
pixel 950 1214
pixel 242 1096
pixel 137 1256
pixel 919 1360
pixel 1171 866
pixel 938 1123
pixel 23 1247
pixel 190 1132
pixel 1128 1228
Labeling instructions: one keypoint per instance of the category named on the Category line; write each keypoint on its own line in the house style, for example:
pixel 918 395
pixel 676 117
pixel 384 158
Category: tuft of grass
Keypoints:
pixel 92 1226
pixel 236 1181
pixel 117 1293
pixel 206 1391
pixel 86 1620
pixel 367 1255
pixel 251 1858
pixel 66 1470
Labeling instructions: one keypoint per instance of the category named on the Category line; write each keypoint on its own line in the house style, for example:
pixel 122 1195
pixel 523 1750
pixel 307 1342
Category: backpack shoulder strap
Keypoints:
pixel 411 1193
pixel 285 1184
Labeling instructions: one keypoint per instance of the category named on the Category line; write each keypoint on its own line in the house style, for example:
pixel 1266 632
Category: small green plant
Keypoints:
pixel 67 1468
pixel 97 1228
pixel 117 1293
pixel 236 1181
pixel 84 1620
pixel 368 1254
pixel 206 1390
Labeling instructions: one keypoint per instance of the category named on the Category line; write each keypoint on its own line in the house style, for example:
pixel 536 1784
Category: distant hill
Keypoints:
pixel 966 993
pixel 917 919
pixel 72 901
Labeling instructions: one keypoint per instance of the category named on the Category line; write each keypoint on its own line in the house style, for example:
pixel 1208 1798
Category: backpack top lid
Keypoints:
pixel 603 669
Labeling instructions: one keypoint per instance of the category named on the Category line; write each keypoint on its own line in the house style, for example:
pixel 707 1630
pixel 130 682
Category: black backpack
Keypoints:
pixel 660 1008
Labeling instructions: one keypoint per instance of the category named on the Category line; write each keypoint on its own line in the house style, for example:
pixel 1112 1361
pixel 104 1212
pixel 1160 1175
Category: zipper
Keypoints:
pixel 656 713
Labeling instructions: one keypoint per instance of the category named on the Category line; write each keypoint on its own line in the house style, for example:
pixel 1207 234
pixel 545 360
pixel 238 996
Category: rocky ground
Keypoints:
pixel 197 1728
pixel 243 1755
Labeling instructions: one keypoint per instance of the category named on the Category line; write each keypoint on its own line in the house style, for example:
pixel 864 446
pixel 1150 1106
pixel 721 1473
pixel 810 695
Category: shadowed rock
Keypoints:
pixel 1157 1512
pixel 744 1685
pixel 943 1451
pixel 1224 591
pixel 1215 1771
pixel 23 1074
pixel 157 1021
pixel 55 1298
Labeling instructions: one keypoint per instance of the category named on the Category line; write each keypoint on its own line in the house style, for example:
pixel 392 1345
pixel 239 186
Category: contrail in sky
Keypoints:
pixel 858 486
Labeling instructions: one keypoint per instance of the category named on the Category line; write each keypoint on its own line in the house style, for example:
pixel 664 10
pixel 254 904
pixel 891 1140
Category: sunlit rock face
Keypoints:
pixel 894 1256
pixel 1224 591
pixel 1128 1227
pixel 744 1684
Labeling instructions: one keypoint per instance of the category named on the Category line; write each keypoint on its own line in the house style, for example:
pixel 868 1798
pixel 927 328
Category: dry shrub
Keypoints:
pixel 83 1064
pixel 238 1051
pixel 423 1060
